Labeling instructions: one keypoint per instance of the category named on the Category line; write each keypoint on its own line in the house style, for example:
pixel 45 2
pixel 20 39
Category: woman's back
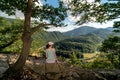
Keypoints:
pixel 50 55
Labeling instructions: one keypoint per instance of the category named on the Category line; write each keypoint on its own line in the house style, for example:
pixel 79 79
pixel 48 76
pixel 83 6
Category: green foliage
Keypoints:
pixel 11 6
pixel 101 64
pixel 74 60
pixel 95 12
pixel 10 31
pixel 14 47
pixel 111 47
pixel 84 44
pixel 85 10
pixel 48 36
pixel 54 15
pixel 41 38
pixel 112 44
pixel 116 26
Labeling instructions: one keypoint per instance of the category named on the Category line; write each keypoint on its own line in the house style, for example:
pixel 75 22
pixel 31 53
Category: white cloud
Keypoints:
pixel 90 1
pixel 96 25
pixel 62 29
pixel 72 18
pixel 39 3
pixel 18 14
pixel 100 25
pixel 5 15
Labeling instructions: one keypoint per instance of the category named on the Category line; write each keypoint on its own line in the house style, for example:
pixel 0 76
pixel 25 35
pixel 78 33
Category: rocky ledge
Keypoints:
pixel 36 69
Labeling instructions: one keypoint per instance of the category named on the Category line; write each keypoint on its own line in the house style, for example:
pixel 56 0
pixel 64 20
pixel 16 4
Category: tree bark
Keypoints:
pixel 26 38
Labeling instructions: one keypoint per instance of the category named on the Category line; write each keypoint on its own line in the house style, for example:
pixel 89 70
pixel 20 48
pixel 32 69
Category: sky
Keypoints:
pixel 70 20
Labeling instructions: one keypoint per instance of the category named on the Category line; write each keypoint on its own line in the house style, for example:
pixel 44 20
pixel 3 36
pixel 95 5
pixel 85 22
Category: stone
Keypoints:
pixel 118 77
pixel 3 67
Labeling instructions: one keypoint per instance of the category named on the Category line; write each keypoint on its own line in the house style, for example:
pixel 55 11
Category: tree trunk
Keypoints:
pixel 119 59
pixel 112 58
pixel 26 38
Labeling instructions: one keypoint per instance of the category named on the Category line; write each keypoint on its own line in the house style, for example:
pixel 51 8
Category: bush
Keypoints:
pixel 101 64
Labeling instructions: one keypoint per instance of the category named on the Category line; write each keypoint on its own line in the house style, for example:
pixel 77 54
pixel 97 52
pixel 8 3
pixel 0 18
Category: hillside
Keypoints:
pixel 103 33
pixel 87 43
pixel 48 36
pixel 41 38
pixel 80 31
pixel 79 45
pixel 75 39
pixel 84 30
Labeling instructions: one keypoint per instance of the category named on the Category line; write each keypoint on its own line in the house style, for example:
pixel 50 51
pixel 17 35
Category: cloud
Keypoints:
pixel 96 25
pixel 90 1
pixel 61 29
pixel 18 14
pixel 3 14
pixel 72 18
pixel 100 25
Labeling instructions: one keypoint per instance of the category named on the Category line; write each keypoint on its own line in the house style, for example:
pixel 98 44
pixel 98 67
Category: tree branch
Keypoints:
pixel 8 44
pixel 42 25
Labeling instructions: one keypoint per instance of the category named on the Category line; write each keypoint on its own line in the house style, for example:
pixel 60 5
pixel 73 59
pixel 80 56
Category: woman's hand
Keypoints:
pixel 56 60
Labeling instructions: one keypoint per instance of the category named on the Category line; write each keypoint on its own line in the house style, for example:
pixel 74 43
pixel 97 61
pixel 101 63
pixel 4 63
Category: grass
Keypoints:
pixel 90 56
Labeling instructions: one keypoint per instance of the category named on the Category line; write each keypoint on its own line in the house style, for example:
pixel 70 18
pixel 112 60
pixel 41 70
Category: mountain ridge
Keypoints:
pixel 85 30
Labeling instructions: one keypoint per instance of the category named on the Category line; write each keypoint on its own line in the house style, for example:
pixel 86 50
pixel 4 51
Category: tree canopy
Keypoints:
pixel 10 31
pixel 53 15
pixel 96 11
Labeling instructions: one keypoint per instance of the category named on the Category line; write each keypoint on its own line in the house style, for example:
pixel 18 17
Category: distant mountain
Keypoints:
pixel 110 28
pixel 103 33
pixel 41 38
pixel 83 42
pixel 84 30
pixel 80 31
pixel 48 36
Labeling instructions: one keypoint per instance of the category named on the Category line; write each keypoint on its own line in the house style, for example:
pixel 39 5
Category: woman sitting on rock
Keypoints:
pixel 50 53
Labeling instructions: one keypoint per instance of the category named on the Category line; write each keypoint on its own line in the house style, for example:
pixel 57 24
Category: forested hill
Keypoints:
pixel 87 43
pixel 41 38
pixel 79 31
pixel 103 33
pixel 83 44
pixel 88 30
pixel 48 36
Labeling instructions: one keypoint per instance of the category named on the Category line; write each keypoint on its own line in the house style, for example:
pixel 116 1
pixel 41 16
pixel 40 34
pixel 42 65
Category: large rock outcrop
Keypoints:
pixel 62 72
pixel 3 64
pixel 36 69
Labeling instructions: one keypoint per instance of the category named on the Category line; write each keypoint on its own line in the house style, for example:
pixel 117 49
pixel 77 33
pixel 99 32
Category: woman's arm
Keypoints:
pixel 55 55
pixel 46 55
